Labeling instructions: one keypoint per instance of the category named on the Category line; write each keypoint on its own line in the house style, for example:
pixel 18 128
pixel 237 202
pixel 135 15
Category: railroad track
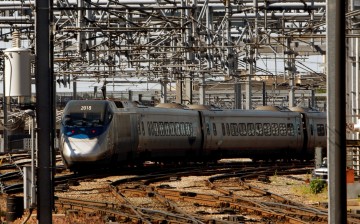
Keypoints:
pixel 227 200
pixel 221 193
pixel 11 171
pixel 154 198
pixel 264 201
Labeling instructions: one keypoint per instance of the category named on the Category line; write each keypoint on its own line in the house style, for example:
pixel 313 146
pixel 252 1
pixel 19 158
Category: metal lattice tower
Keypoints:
pixel 186 42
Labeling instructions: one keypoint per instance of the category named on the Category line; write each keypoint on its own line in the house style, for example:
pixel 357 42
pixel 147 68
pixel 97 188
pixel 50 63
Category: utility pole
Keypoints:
pixel 44 108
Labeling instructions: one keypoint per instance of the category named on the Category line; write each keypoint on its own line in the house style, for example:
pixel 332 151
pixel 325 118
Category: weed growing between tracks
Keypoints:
pixel 305 191
pixel 296 189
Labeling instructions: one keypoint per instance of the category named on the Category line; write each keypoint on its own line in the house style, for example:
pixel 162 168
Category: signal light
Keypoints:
pixel 93 131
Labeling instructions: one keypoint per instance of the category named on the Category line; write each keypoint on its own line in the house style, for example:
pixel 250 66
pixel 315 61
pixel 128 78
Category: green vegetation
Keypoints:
pixel 317 186
pixel 320 90
pixel 308 194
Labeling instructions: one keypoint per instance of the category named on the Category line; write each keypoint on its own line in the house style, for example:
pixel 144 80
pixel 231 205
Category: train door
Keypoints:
pixel 300 133
pixel 209 132
pixel 304 128
pixel 141 133
pixel 137 129
pixel 146 134
pixel 215 133
pixel 125 131
pixel 204 125
pixel 214 136
pixel 311 133
pixel 320 131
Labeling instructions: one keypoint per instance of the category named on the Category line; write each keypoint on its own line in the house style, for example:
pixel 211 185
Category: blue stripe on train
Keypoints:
pixel 83 133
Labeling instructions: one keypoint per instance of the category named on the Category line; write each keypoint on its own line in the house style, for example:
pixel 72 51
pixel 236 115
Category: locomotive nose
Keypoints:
pixel 80 151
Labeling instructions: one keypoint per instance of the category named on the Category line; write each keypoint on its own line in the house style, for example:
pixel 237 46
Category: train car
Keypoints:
pixel 98 132
pixel 255 134
pixel 148 133
pixel 314 129
pixel 106 132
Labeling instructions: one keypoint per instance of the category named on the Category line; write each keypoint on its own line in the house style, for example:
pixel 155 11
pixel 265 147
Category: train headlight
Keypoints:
pixel 70 132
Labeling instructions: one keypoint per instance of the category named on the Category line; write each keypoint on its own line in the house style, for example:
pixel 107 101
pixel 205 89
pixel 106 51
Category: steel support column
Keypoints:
pixel 336 116
pixel 44 109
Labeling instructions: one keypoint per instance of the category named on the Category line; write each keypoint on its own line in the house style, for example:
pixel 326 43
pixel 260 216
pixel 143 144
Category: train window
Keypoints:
pixel 83 119
pixel 233 129
pixel 138 128
pixel 187 129
pixel 190 129
pixel 74 119
pixel 320 129
pixel 267 129
pixel 275 129
pixel 142 128
pixel 167 129
pixel 259 129
pixel 208 128
pixel 214 129
pixel 96 118
pixel 172 128
pixel 227 129
pixel 67 120
pixel 250 129
pixel 290 129
pixel 182 129
pixel 161 129
pixel 311 129
pixel 108 120
pixel 177 129
pixel 223 129
pixel 242 129
pixel 155 129
pixel 282 129
pixel 149 124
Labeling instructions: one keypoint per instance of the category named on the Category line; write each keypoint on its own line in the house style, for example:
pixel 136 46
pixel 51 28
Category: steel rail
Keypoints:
pixel 301 211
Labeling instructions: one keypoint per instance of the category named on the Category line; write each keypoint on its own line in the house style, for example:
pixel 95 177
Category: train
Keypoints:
pixel 95 133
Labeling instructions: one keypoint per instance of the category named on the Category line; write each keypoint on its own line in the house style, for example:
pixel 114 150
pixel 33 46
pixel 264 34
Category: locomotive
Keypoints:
pixel 104 132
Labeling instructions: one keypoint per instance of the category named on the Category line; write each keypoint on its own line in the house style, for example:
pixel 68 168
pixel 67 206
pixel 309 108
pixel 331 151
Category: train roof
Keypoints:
pixel 250 113
pixel 202 107
pixel 126 103
pixel 303 110
pixel 171 106
pixel 76 105
pixel 272 108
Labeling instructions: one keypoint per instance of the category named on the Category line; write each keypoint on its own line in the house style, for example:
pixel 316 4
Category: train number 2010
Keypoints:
pixel 85 108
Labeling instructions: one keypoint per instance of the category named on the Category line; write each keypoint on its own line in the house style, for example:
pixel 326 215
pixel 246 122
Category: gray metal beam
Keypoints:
pixel 45 113
pixel 336 116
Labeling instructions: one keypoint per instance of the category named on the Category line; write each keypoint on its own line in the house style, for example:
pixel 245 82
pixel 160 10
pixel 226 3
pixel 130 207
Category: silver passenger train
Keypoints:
pixel 102 132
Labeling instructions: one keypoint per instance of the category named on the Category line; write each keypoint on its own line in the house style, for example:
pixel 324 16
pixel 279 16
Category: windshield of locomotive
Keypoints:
pixel 86 116
pixel 84 119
